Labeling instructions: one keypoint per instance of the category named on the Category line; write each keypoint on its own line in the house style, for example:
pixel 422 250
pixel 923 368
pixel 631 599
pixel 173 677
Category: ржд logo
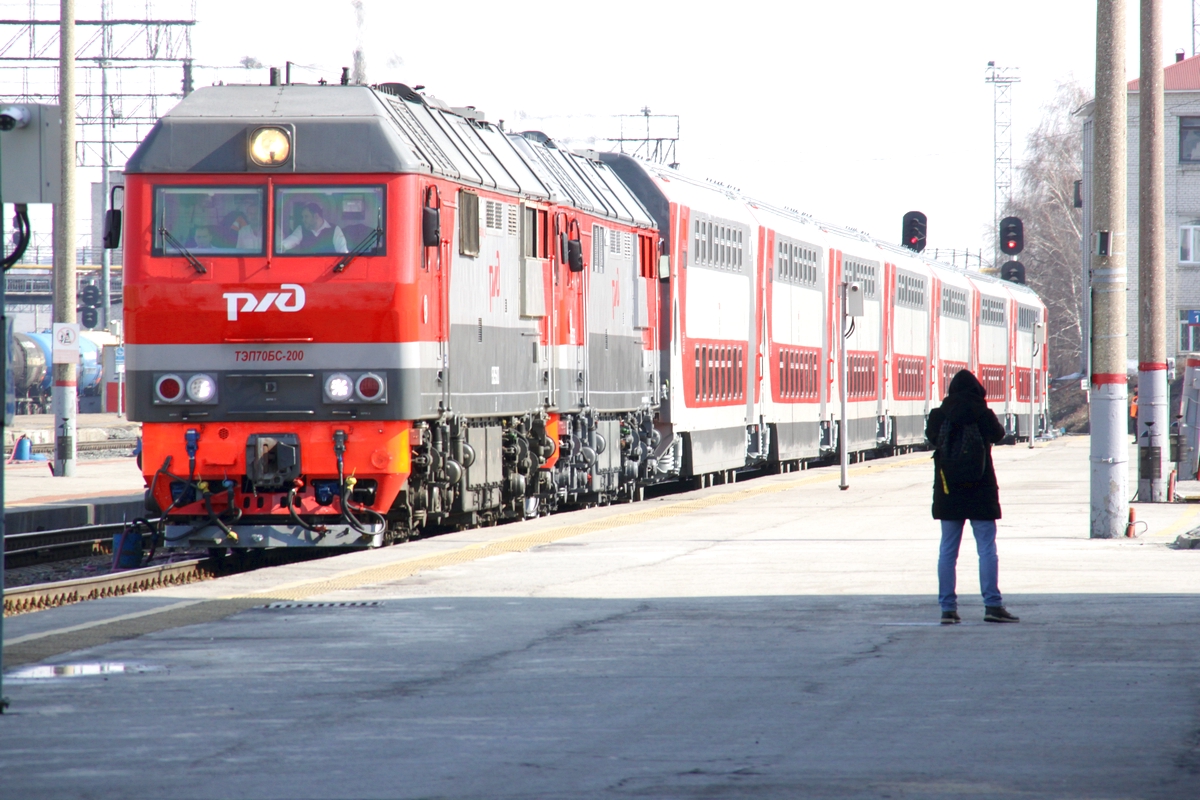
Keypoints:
pixel 291 298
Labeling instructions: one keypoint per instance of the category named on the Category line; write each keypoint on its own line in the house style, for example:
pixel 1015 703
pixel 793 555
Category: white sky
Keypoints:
pixel 853 111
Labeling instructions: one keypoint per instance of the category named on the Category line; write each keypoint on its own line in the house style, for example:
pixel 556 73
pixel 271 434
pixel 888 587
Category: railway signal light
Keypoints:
pixel 913 237
pixel 89 315
pixel 1013 271
pixel 1012 236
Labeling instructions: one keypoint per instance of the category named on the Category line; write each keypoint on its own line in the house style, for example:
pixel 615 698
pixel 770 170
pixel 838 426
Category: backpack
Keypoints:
pixel 961 454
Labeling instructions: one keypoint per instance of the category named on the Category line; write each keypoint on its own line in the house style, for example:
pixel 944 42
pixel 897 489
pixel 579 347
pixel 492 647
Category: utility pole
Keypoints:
pixel 843 379
pixel 1107 409
pixel 3 422
pixel 65 375
pixel 1153 398
pixel 105 161
pixel 851 305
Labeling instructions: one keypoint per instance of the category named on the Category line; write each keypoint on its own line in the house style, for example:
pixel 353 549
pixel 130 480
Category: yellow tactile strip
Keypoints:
pixel 403 569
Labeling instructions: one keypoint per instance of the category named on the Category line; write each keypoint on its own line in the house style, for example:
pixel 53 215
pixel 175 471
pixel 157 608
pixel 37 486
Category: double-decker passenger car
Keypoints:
pixel 354 313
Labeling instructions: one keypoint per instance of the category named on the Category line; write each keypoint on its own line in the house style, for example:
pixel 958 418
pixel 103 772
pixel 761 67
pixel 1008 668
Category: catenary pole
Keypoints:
pixel 1153 398
pixel 1107 409
pixel 105 159
pixel 65 393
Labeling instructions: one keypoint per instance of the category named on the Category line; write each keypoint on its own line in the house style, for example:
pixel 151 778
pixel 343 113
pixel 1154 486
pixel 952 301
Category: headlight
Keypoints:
pixel 370 387
pixel 169 388
pixel 270 147
pixel 201 388
pixel 338 387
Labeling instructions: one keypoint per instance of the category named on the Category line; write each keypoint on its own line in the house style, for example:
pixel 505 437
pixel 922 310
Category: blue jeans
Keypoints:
pixel 989 569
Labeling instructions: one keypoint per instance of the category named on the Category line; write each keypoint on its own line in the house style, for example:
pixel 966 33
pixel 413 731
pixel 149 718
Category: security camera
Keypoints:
pixel 13 117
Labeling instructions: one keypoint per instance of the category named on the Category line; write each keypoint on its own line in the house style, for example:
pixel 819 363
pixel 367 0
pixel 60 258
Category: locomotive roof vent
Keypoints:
pixel 588 153
pixel 403 91
pixel 469 112
pixel 539 137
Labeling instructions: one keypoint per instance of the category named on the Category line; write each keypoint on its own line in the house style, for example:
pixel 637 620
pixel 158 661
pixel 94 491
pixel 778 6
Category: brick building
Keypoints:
pixel 1182 204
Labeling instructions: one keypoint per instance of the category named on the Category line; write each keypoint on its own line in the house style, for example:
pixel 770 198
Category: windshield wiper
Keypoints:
pixel 183 251
pixel 367 243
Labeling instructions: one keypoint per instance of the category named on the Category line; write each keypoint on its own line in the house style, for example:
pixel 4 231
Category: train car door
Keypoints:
pixel 534 314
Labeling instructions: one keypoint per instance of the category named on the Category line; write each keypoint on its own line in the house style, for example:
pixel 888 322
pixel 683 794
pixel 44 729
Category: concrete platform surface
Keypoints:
pixel 33 484
pixel 773 639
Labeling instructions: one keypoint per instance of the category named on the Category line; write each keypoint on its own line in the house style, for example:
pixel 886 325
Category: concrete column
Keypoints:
pixel 1153 398
pixel 65 375
pixel 1109 459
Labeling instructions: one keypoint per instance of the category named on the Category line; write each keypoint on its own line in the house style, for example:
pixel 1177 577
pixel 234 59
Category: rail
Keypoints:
pixel 18 544
pixel 106 444
pixel 39 596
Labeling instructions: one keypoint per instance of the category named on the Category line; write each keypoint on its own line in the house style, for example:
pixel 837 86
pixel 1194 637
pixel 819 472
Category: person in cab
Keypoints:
pixel 314 234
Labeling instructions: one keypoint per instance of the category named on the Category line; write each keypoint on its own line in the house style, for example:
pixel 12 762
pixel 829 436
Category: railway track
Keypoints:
pixel 38 596
pixel 107 444
pixel 40 547
pixel 25 549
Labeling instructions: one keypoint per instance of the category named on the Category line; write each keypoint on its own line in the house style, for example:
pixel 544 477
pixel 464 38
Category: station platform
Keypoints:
pixel 32 483
pixel 777 638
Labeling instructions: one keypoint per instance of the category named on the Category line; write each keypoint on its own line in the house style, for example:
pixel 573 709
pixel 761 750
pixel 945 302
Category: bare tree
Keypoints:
pixel 1045 202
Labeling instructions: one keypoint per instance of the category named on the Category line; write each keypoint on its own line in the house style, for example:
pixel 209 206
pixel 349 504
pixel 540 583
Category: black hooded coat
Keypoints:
pixel 966 401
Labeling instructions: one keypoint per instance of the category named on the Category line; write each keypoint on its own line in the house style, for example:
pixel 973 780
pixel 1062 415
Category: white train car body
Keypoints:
pixel 752 336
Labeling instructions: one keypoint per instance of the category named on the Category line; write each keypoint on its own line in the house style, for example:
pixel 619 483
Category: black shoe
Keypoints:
pixel 950 618
pixel 999 614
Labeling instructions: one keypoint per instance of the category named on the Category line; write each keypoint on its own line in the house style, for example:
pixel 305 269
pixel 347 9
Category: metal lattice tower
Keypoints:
pixel 130 62
pixel 1002 79
pixel 658 147
pixel 1195 25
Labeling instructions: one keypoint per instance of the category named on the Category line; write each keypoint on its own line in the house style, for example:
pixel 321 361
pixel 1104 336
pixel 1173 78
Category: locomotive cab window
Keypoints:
pixel 327 220
pixel 208 220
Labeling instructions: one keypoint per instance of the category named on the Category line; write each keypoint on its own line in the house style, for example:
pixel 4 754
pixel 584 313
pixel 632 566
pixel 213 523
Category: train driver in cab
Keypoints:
pixel 314 234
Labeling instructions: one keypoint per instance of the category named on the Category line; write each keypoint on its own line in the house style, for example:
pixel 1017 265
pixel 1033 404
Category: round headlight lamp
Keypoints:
pixel 270 147
pixel 201 388
pixel 339 387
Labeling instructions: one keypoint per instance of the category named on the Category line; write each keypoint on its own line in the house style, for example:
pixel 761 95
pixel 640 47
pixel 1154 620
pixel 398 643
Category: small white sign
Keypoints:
pixel 119 359
pixel 495 376
pixel 66 342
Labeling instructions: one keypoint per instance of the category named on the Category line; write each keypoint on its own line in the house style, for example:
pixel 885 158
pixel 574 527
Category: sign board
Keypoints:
pixel 119 355
pixel 66 342
pixel 1193 318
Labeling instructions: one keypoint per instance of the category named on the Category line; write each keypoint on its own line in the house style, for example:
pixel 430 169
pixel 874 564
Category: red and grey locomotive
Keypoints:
pixel 354 313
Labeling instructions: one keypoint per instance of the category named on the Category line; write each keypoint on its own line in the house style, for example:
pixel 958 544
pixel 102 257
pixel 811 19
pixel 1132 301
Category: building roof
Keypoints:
pixel 1182 76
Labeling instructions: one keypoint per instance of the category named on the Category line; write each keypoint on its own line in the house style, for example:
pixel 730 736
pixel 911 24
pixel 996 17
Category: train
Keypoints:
pixel 355 314
pixel 31 359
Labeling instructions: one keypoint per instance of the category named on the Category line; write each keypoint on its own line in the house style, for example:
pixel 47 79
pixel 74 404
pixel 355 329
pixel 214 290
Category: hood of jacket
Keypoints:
pixel 966 399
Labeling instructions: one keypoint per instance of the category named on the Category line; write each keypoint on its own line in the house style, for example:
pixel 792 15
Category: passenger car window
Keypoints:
pixel 208 220
pixel 326 220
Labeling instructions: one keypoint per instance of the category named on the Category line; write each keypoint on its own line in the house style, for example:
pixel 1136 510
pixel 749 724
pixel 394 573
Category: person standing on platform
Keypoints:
pixel 962 431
